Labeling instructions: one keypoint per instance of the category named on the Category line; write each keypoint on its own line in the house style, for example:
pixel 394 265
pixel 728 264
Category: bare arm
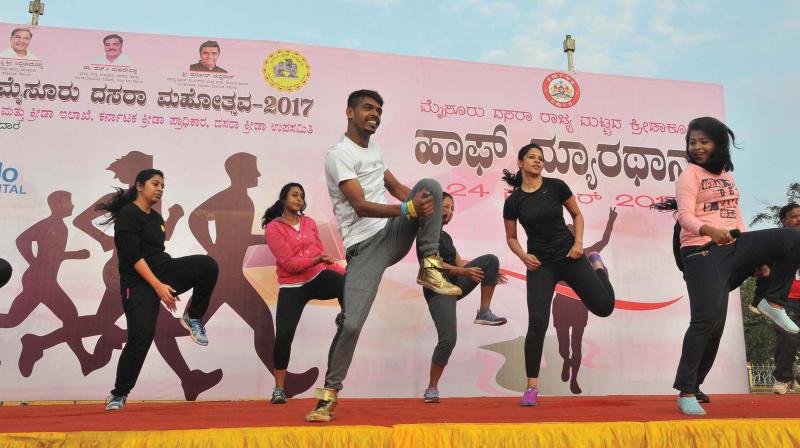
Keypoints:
pixel 394 187
pixel 459 261
pixel 352 190
pixel 530 260
pixel 577 220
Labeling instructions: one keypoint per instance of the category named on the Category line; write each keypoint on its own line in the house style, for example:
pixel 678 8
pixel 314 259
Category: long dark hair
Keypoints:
pixel 121 197
pixel 276 209
pixel 720 159
pixel 514 180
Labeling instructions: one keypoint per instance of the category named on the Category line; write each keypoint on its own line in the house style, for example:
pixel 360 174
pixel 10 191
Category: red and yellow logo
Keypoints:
pixel 561 90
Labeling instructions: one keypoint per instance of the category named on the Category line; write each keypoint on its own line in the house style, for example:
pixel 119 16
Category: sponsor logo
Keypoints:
pixel 286 70
pixel 561 90
pixel 9 177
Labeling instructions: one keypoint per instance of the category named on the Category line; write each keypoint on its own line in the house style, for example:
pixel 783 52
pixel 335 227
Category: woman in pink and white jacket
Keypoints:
pixel 304 272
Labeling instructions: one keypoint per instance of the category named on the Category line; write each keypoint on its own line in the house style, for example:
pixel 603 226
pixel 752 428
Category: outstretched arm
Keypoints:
pixel 600 245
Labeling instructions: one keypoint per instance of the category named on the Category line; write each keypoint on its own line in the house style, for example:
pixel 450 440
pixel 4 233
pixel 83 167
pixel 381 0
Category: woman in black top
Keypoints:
pixel 149 276
pixel 554 254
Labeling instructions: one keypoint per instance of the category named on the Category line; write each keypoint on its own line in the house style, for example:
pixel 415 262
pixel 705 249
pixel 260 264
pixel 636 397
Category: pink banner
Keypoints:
pixel 230 123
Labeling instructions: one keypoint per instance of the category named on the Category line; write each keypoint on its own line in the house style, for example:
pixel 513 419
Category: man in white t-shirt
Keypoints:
pixel 375 233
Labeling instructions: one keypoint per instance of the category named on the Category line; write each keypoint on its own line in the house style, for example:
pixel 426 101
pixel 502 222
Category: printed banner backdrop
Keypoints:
pixel 230 127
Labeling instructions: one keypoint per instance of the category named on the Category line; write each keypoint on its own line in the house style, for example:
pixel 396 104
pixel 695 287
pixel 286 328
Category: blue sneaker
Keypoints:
pixel 431 395
pixel 530 397
pixel 778 316
pixel 114 402
pixel 485 316
pixel 278 396
pixel 196 329
pixel 690 406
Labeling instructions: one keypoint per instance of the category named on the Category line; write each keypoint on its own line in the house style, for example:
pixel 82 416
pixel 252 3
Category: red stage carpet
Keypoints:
pixel 733 420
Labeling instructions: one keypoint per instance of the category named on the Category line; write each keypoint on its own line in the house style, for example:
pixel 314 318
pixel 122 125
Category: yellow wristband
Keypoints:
pixel 411 211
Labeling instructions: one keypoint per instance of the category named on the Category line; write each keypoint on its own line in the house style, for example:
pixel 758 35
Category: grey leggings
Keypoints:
pixel 443 308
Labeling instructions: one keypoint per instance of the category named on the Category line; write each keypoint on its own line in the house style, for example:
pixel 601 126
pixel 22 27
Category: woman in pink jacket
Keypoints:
pixel 304 272
pixel 716 258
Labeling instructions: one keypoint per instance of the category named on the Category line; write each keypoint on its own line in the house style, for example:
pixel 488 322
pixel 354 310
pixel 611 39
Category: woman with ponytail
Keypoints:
pixel 553 254
pixel 304 272
pixel 149 276
pixel 717 254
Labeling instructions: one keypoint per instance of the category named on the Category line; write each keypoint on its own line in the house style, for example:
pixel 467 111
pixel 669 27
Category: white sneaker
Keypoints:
pixel 780 387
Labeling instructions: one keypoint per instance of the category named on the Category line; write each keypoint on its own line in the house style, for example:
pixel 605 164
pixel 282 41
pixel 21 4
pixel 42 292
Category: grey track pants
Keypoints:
pixel 366 263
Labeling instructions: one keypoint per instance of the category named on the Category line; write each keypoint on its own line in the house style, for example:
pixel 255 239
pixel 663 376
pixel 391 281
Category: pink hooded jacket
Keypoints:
pixel 295 251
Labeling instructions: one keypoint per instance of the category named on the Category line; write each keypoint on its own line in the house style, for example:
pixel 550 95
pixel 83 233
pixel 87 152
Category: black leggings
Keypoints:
pixel 709 279
pixel 592 287
pixel 291 301
pixel 142 307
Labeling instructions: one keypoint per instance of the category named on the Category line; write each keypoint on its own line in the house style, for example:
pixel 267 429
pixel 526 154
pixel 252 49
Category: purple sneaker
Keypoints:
pixel 597 262
pixel 529 397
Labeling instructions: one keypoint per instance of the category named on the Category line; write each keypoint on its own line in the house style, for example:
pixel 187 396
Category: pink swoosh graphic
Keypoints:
pixel 619 304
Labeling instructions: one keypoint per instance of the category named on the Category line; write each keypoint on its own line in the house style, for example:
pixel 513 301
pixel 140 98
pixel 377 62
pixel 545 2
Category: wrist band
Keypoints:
pixel 411 211
pixel 404 210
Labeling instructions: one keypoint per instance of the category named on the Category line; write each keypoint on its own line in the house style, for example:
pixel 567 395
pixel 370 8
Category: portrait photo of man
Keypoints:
pixel 112 44
pixel 19 42
pixel 209 54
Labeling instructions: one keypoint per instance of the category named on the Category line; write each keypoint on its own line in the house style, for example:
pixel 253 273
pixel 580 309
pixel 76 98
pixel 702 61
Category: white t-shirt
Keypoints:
pixel 345 161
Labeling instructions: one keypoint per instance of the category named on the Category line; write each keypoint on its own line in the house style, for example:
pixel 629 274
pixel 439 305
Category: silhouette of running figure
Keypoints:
pixel 40 280
pixel 232 213
pixel 570 313
pixel 109 311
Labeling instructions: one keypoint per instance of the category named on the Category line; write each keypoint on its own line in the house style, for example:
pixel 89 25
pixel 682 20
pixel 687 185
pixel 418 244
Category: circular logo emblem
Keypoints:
pixel 286 70
pixel 561 90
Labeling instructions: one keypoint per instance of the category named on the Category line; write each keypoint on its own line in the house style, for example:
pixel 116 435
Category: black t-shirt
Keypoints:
pixel 139 235
pixel 541 214
pixel 447 250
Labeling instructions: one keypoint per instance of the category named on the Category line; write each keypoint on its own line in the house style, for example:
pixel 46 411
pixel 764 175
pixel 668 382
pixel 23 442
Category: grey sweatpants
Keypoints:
pixel 366 262
pixel 443 308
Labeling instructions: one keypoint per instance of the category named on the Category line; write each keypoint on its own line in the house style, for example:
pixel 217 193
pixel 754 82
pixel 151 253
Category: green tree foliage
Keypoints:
pixel 770 214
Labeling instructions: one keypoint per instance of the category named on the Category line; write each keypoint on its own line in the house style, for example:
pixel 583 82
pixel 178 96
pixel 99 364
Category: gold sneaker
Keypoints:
pixel 431 277
pixel 325 406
